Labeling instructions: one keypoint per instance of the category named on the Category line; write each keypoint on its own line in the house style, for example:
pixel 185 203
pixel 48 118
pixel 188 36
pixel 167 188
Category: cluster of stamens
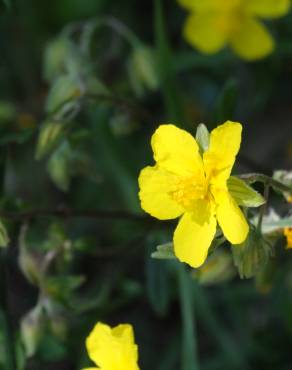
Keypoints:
pixel 187 190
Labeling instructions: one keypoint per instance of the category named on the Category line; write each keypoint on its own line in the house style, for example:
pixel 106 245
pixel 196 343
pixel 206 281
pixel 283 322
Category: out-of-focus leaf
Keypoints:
pixel 56 58
pixel 4 239
pixel 164 251
pixel 64 90
pixel 61 287
pixel 59 166
pixel 32 329
pixel 50 134
pixel 202 137
pixel 29 261
pixel 142 69
pixel 244 194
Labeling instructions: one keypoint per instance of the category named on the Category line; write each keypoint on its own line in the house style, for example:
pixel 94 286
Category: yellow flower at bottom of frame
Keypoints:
pixel 288 234
pixel 186 184
pixel 112 348
pixel 213 24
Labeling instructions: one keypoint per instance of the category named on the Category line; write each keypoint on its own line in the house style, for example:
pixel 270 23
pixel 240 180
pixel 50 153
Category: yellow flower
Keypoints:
pixel 112 348
pixel 213 24
pixel 184 183
pixel 288 234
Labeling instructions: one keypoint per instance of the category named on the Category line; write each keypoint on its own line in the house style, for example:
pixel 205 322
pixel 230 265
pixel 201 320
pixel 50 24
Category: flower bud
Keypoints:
pixel 252 255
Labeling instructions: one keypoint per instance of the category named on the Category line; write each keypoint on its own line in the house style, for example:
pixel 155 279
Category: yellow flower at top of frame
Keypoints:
pixel 112 348
pixel 213 24
pixel 185 183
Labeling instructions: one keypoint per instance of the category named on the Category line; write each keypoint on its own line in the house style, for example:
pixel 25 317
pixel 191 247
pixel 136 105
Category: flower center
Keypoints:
pixel 188 190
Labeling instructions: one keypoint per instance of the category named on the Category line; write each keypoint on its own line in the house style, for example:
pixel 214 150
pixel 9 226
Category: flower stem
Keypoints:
pixel 189 340
pixel 263 207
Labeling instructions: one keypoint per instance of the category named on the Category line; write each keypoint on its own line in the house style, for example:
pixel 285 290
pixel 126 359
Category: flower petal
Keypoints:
pixel 268 8
pixel 192 239
pixel 176 150
pixel 252 40
pixel 155 185
pixel 113 348
pixel 209 5
pixel 207 31
pixel 230 217
pixel 219 158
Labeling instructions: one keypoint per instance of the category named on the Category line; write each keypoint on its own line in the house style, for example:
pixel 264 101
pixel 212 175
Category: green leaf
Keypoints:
pixel 50 134
pixel 243 194
pixel 59 166
pixel 66 89
pixel 32 329
pixel 164 251
pixel 61 287
pixel 4 239
pixel 203 137
pixel 143 69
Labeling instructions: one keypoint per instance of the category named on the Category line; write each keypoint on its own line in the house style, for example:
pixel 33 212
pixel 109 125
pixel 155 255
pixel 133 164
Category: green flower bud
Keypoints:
pixel 252 255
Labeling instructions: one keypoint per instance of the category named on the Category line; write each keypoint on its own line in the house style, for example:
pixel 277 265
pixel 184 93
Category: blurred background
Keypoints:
pixel 84 84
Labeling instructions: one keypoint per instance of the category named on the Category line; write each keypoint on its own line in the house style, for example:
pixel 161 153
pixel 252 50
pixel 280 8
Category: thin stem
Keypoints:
pixel 250 178
pixel 189 340
pixel 263 207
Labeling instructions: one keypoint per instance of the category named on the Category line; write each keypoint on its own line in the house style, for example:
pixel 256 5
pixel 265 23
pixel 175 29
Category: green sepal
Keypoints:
pixel 203 137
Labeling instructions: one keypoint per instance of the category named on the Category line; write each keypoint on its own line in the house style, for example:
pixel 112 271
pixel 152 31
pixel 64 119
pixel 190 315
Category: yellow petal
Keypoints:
pixel 113 348
pixel 252 40
pixel 192 239
pixel 208 31
pixel 230 217
pixel 219 158
pixel 176 150
pixel 91 368
pixel 155 187
pixel 209 5
pixel 268 8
